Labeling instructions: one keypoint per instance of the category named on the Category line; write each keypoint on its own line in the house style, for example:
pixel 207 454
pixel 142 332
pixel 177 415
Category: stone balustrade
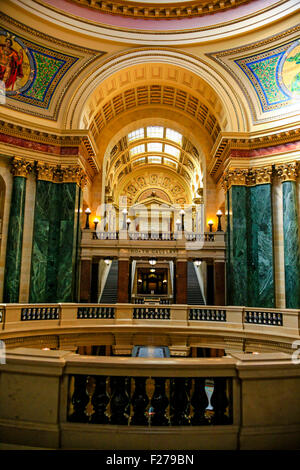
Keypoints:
pixel 181 326
pixel 61 400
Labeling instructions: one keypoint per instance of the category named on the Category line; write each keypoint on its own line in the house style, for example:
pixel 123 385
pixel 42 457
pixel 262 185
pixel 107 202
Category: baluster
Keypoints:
pixel 220 401
pixel 100 400
pixel 199 402
pixel 119 401
pixel 159 402
pixel 80 400
pixel 139 402
pixel 179 402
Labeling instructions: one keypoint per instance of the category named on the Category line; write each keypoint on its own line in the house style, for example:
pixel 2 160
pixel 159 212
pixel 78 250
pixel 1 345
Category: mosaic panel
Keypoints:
pixel 275 75
pixel 29 72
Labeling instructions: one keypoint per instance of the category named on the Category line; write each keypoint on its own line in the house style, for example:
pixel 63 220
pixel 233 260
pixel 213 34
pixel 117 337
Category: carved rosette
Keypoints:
pixel 21 167
pixel 288 171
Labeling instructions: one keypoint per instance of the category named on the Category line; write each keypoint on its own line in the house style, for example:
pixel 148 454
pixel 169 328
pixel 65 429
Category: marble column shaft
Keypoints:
pixel 15 241
pixel 250 271
pixel 291 244
pixel 55 242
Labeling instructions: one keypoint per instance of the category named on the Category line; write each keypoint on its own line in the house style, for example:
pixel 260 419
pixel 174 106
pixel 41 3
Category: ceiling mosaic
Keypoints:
pixel 31 72
pixel 33 75
pixel 270 77
pixel 275 75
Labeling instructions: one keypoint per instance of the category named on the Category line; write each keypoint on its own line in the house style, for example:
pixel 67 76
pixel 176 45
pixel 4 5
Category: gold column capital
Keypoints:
pixel 234 177
pixel 287 171
pixel 46 172
pixel 247 177
pixel 258 176
pixel 74 174
pixel 21 167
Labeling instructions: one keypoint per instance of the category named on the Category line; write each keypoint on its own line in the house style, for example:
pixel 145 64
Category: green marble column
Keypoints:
pixel 261 291
pixel 14 241
pixel 237 246
pixel 56 242
pixel 45 245
pixel 68 242
pixel 291 245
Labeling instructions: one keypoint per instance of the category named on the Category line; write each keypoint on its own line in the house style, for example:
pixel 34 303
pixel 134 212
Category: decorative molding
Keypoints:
pixel 251 147
pixel 21 167
pixel 155 10
pixel 288 171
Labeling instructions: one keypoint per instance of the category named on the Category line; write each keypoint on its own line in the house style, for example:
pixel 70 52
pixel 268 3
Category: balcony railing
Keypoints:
pixel 159 236
pixel 61 400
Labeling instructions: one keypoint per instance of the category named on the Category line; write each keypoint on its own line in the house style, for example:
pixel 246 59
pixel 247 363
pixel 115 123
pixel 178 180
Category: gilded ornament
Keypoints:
pixel 20 167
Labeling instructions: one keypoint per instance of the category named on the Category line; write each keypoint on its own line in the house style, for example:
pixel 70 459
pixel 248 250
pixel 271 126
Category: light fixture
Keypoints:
pixel 107 261
pixel 152 261
pixel 140 280
pixel 152 270
pixel 219 215
pixel 197 262
pixel 210 224
pixel 96 222
pixel 87 222
pixel 177 224
pixel 128 222
pixel 165 281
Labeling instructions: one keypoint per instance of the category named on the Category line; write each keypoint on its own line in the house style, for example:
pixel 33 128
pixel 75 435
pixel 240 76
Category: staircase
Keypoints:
pixel 194 294
pixel 110 291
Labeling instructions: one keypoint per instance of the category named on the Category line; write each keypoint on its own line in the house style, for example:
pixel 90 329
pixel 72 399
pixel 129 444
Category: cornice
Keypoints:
pixel 161 11
pixel 250 147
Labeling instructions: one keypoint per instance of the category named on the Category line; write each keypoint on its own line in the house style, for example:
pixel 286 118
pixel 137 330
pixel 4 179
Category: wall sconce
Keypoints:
pixel 96 222
pixel 152 270
pixel 152 261
pixel 197 262
pixel 140 280
pixel 107 261
pixel 210 224
pixel 87 222
pixel 165 281
pixel 219 215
